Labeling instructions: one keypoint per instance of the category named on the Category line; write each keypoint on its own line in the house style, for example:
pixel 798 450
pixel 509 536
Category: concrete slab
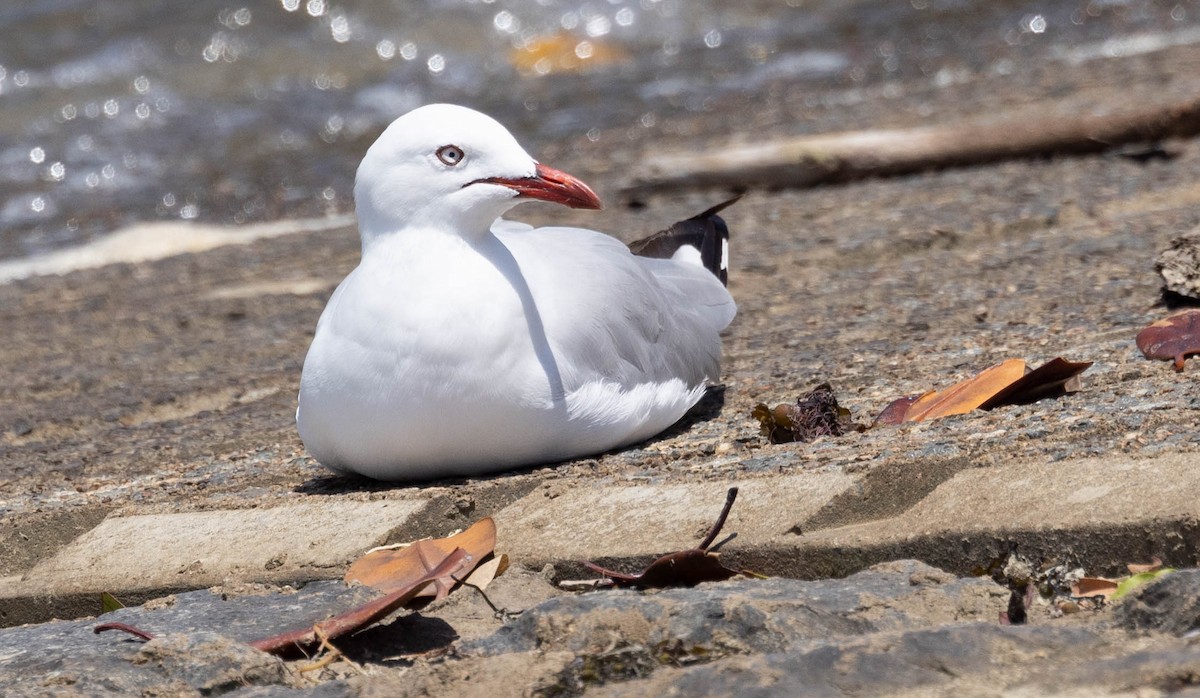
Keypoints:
pixel 559 522
pixel 198 549
pixel 1038 495
pixel 1102 512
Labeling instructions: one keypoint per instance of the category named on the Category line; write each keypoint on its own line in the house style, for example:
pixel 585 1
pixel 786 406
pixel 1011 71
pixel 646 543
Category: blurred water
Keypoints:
pixel 113 111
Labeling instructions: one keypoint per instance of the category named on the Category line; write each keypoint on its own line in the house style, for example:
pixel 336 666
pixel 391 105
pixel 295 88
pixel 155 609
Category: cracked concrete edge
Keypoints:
pixel 140 556
pixel 1100 512
pixel 559 522
pixel 199 549
pixel 1092 511
pixel 137 557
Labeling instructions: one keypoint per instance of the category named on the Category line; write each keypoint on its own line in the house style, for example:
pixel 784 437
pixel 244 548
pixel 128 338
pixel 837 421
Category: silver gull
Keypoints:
pixel 464 344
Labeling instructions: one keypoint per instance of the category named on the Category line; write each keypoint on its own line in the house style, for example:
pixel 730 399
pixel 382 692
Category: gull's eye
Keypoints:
pixel 450 154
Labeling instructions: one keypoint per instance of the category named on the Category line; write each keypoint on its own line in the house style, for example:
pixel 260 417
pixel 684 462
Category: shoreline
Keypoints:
pixel 154 240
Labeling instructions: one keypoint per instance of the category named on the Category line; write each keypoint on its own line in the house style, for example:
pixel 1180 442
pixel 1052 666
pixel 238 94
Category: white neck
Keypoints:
pixel 467 213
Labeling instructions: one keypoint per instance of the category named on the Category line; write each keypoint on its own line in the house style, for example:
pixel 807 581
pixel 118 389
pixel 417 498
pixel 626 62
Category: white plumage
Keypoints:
pixel 463 344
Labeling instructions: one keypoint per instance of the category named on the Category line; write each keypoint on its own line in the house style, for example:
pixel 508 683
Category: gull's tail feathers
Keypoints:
pixel 703 238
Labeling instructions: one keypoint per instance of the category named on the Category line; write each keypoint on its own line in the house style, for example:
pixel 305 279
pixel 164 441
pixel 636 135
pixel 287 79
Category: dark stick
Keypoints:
pixel 364 615
pixel 716 529
pixel 354 619
pixel 611 574
pixel 123 627
pixel 502 613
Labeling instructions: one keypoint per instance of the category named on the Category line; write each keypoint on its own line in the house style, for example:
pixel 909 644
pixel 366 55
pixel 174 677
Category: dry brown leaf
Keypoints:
pixel 1055 377
pixel 964 396
pixel 453 564
pixel 487 571
pixel 1088 587
pixel 682 568
pixel 1007 383
pixel 894 413
pixel 1135 568
pixel 388 570
pixel 1172 338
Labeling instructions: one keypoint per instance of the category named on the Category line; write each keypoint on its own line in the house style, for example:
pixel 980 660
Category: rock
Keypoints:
pixel 747 615
pixel 1179 265
pixel 331 689
pixel 210 663
pixel 201 663
pixel 198 645
pixel 1170 604
pixel 965 659
pixel 899 628
pixel 876 665
pixel 617 636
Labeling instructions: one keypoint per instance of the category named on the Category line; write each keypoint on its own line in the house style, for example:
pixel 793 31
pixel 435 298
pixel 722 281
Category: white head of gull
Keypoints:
pixel 464 344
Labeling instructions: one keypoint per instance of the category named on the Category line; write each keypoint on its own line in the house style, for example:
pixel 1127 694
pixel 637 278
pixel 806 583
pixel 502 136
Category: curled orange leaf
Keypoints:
pixel 391 569
pixel 966 395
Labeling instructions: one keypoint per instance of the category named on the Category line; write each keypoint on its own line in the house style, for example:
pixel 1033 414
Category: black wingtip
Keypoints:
pixel 717 209
pixel 706 232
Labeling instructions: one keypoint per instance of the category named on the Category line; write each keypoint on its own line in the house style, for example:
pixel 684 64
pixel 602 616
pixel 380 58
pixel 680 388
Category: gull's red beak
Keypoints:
pixel 549 184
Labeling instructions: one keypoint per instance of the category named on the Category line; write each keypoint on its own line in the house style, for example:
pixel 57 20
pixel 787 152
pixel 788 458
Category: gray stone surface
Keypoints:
pixel 902 628
pixel 1090 509
pixel 1170 604
pixel 972 659
pixel 897 629
pixel 748 615
pixel 198 645
pixel 139 557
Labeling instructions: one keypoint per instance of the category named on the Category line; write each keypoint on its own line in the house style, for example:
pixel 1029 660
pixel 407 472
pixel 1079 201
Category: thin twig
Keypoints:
pixel 716 529
pixel 321 663
pixel 332 654
pixel 123 627
pixel 612 574
pixel 584 584
pixel 669 566
pixel 365 615
pixel 502 613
